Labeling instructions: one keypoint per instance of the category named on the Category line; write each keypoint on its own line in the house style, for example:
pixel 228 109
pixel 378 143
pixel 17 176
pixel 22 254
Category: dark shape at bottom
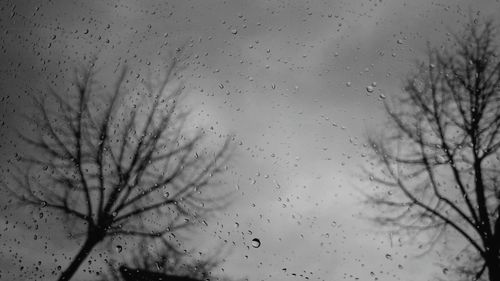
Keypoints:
pixel 135 274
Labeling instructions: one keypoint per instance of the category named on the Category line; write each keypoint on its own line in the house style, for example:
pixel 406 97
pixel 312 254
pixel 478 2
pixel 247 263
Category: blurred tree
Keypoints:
pixel 163 262
pixel 119 161
pixel 440 155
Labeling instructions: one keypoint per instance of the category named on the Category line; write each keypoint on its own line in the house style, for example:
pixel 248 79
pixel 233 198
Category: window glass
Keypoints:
pixel 249 140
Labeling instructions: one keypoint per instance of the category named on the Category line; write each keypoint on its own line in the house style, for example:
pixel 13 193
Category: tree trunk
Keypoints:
pixel 493 268
pixel 85 250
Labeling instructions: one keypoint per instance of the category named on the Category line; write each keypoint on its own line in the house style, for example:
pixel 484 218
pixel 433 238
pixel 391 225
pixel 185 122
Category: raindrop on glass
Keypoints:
pixel 255 243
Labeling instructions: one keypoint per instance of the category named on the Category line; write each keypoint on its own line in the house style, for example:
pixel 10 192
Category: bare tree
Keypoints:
pixel 119 161
pixel 440 155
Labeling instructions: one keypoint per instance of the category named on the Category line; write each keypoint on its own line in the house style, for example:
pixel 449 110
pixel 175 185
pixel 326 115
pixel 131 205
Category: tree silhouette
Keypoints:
pixel 440 155
pixel 163 262
pixel 119 161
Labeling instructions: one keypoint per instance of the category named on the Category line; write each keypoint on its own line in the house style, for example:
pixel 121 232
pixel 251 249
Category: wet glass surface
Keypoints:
pixel 249 140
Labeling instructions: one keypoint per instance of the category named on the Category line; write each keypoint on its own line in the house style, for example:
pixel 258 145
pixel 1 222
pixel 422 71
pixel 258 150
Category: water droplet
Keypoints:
pixel 440 159
pixel 348 84
pixel 255 243
pixel 234 31
pixel 369 89
pixel 388 256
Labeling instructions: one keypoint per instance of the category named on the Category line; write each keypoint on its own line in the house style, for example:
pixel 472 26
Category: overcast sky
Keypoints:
pixel 287 78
